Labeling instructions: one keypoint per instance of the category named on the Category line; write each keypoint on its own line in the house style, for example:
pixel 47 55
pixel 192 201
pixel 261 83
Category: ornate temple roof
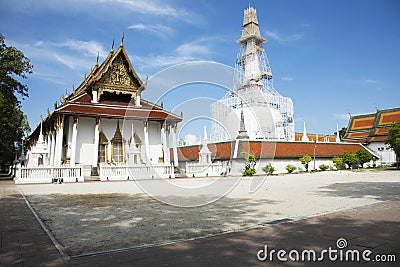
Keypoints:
pixel 111 90
pixel 372 127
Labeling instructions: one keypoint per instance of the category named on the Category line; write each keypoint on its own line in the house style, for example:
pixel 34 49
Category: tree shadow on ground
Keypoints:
pixel 364 231
pixel 97 222
pixel 378 190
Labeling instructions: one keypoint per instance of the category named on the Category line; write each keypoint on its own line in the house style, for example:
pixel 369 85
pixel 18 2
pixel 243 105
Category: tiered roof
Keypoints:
pixel 118 89
pixel 372 127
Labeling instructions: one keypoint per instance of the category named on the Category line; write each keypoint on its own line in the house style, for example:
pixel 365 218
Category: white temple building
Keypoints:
pixel 103 130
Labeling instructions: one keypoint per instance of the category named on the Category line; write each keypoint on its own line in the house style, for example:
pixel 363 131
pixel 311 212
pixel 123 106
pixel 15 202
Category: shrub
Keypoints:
pixel 290 168
pixel 268 169
pixel 305 160
pixel 338 162
pixel 249 172
pixel 249 169
pixel 323 167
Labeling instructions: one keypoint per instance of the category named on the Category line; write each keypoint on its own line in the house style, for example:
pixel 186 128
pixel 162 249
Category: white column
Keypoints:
pixel 73 142
pixel 96 142
pixel 164 142
pixel 138 100
pixel 94 99
pixel 48 156
pixel 146 141
pixel 59 140
pixel 109 151
pixel 52 148
pixel 174 144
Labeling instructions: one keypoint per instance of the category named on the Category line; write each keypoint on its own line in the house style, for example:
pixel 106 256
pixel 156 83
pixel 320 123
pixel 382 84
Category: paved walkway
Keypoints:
pixel 375 227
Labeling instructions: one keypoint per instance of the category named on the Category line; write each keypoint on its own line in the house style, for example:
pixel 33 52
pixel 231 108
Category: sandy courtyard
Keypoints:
pixel 94 217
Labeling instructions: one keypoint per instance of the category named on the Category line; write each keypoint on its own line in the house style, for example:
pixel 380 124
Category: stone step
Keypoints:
pixel 91 178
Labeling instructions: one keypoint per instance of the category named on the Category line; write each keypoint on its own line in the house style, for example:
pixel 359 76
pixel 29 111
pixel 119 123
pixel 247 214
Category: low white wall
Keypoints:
pixel 278 164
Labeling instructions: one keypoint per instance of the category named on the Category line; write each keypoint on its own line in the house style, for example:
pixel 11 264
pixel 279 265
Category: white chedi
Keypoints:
pixel 261 122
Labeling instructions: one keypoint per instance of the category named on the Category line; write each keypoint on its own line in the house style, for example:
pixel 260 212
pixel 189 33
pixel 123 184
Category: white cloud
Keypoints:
pixel 72 62
pixel 144 6
pixel 191 139
pixel 152 61
pixel 286 78
pixel 186 52
pixel 89 48
pixel 157 29
pixel 189 49
pixel 370 81
pixel 284 38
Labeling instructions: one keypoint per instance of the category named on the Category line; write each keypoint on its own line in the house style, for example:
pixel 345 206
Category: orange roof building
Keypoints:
pixel 372 131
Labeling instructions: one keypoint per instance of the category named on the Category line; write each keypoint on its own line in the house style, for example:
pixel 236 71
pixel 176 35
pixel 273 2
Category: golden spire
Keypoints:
pixel 84 76
pixel 73 89
pixel 97 60
pixel 48 113
pixel 112 46
pixel 122 39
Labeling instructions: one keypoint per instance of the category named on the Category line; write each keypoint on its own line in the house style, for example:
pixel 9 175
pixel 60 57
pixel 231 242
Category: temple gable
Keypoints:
pixel 117 79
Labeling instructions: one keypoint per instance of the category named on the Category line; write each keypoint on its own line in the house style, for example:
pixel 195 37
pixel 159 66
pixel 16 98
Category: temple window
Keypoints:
pixel 103 143
pixel 117 154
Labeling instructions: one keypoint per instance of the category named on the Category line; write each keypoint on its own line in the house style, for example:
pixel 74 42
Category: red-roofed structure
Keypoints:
pixel 372 131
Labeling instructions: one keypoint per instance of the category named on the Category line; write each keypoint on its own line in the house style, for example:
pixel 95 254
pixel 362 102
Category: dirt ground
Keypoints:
pixel 93 217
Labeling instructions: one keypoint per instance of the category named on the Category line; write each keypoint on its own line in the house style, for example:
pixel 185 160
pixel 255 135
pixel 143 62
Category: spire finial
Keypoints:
pixel 41 126
pixel 337 133
pixel 122 39
pixel 304 138
pixel 112 46
pixel 242 128
pixel 97 59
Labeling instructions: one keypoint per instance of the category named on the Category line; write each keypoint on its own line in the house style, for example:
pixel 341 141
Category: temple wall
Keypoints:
pixel 279 164
pixel 385 153
pixel 85 141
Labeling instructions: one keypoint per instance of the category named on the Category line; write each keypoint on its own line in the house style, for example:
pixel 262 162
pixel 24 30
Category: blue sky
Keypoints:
pixel 331 57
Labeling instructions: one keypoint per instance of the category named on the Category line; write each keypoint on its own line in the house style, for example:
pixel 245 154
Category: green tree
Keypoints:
pixel 305 160
pixel 394 140
pixel 338 162
pixel 350 159
pixel 249 167
pixel 364 157
pixel 13 123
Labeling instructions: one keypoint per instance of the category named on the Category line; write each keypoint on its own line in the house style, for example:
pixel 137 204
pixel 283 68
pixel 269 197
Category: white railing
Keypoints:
pixel 213 169
pixel 50 172
pixel 124 172
pixel 47 174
